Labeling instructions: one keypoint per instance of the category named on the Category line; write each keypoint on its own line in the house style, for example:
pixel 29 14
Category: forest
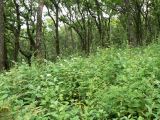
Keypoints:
pixel 79 59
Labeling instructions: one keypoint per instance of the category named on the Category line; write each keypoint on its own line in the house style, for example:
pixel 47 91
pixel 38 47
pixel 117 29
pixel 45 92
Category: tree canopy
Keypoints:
pixel 52 28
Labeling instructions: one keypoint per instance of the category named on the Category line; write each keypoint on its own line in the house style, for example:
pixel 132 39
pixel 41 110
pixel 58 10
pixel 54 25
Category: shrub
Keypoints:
pixel 112 84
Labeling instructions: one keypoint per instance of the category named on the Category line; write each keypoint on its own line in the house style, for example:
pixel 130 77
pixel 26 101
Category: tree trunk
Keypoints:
pixel 99 23
pixel 138 24
pixel 2 48
pixel 17 31
pixel 129 22
pixel 38 51
pixel 57 30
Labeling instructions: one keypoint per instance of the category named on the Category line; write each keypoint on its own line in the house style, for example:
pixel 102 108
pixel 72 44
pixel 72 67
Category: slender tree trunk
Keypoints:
pixel 2 44
pixel 99 23
pixel 89 34
pixel 109 30
pixel 138 24
pixel 38 50
pixel 56 25
pixel 71 32
pixel 16 48
pixel 57 30
pixel 6 64
pixel 17 31
pixel 129 22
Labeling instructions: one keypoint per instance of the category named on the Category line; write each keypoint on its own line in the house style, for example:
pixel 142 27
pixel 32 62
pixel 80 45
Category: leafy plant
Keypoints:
pixel 111 84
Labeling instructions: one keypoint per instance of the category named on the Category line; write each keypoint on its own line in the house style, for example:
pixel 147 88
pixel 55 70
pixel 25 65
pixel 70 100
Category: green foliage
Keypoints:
pixel 111 84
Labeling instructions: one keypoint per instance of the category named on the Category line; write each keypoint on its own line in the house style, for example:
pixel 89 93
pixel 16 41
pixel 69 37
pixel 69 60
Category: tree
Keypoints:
pixel 75 26
pixel 2 44
pixel 129 21
pixel 38 51
pixel 54 6
pixel 17 30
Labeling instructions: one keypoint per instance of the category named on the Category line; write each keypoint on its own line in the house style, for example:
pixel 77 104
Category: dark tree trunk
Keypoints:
pixel 99 23
pixel 17 31
pixel 2 44
pixel 6 63
pixel 129 22
pixel 16 47
pixel 138 24
pixel 56 24
pixel 57 30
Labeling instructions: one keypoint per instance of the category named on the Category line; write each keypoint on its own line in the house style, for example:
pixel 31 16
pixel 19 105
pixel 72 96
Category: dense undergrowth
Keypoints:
pixel 112 84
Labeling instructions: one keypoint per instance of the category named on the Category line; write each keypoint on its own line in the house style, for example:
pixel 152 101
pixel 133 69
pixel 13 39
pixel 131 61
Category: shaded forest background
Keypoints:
pixel 47 29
